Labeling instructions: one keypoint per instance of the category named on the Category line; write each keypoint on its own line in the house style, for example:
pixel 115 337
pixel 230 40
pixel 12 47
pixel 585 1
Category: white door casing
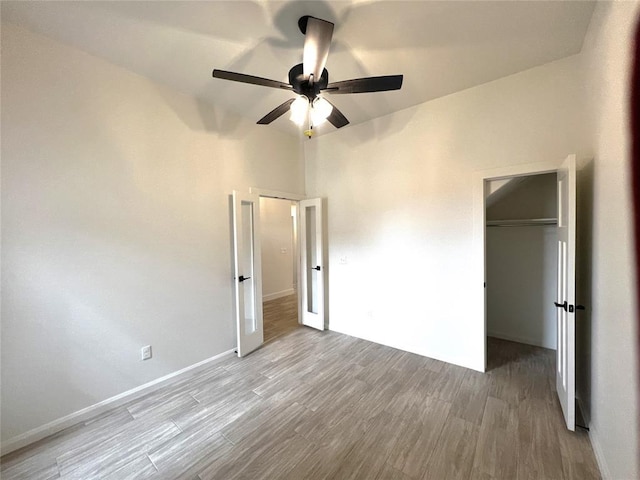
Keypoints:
pixel 312 269
pixel 566 308
pixel 478 266
pixel 247 272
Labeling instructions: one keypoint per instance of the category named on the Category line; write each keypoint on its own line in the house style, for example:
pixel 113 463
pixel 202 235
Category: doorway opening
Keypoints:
pixel 279 246
pixel 514 185
pixel 521 263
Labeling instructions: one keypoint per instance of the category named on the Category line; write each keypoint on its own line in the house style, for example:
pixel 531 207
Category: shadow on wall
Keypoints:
pixel 199 116
pixel 583 292
pixel 372 130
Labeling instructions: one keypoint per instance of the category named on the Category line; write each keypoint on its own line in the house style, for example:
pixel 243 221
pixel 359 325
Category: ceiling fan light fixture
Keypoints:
pixel 320 111
pixel 299 109
pixel 310 78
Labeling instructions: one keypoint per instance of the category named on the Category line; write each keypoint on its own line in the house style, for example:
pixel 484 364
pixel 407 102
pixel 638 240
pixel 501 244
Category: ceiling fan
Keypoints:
pixel 310 81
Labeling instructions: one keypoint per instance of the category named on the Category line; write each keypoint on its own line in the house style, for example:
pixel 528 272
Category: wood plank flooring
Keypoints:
pixel 280 316
pixel 321 405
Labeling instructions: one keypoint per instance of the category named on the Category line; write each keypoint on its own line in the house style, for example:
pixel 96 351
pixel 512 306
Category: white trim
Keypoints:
pixel 263 192
pixel 478 266
pixel 91 411
pixel 280 294
pixel 599 454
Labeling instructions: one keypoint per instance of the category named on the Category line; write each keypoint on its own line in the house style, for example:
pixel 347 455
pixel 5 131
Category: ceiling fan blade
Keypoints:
pixel 363 85
pixel 317 40
pixel 336 118
pixel 276 112
pixel 241 77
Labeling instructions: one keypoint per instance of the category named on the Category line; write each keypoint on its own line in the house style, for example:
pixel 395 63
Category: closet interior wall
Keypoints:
pixel 522 259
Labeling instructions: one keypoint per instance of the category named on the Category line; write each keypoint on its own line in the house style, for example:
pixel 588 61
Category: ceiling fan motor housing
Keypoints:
pixel 303 86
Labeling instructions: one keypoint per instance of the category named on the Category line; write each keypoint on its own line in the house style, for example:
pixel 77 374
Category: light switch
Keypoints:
pixel 343 260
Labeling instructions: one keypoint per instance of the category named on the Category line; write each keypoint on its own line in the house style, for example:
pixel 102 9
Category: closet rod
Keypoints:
pixel 529 222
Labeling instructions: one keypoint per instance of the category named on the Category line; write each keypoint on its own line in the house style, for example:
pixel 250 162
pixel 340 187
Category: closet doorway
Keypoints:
pixel 522 259
pixel 515 228
pixel 279 247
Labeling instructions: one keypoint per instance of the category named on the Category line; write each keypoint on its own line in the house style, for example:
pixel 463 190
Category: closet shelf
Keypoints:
pixel 526 222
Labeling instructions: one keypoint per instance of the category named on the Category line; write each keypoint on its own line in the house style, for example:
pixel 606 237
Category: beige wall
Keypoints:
pixel 115 221
pixel 614 386
pixel 276 232
pixel 115 227
pixel 400 205
pixel 400 210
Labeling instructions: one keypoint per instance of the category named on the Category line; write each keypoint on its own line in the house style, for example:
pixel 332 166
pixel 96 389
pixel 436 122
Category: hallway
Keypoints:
pixel 280 316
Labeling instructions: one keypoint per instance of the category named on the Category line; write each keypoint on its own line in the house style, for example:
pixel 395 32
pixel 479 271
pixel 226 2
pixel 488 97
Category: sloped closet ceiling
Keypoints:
pixel 440 46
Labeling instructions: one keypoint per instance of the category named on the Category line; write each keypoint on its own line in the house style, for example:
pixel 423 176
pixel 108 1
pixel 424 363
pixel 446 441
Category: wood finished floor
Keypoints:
pixel 280 316
pixel 321 405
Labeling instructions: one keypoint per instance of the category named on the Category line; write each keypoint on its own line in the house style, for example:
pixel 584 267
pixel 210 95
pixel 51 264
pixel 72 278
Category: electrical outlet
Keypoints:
pixel 146 352
pixel 343 260
pixel 283 250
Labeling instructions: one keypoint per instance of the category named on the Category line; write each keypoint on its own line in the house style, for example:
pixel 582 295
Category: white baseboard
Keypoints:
pixel 283 293
pixel 91 411
pixel 516 338
pixel 597 451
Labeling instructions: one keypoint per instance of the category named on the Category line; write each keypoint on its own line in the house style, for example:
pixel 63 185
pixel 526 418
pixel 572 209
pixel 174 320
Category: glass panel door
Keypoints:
pixel 247 274
pixel 313 270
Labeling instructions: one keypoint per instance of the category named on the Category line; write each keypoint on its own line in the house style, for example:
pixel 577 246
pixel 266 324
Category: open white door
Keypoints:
pixel 566 358
pixel 247 272
pixel 311 264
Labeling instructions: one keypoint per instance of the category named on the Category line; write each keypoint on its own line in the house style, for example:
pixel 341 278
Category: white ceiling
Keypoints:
pixel 440 46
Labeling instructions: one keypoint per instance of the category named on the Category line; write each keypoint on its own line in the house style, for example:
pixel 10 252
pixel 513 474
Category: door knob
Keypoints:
pixel 242 279
pixel 316 268
pixel 561 305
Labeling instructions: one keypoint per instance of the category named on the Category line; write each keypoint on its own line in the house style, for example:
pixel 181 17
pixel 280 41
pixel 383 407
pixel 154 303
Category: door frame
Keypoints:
pixel 480 179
